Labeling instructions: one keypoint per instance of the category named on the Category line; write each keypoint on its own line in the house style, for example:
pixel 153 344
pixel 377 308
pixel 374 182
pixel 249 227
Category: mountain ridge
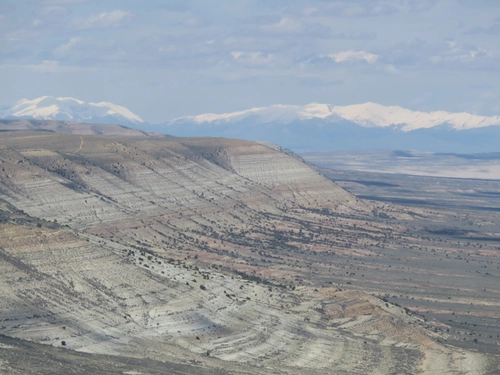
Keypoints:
pixel 322 128
pixel 70 109
pixel 312 127
pixel 69 127
pixel 367 115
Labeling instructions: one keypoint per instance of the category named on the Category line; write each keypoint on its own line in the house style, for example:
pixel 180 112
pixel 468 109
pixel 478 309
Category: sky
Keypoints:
pixel 166 59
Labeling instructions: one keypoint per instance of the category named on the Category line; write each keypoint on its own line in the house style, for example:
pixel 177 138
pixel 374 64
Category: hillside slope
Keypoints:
pixel 190 251
pixel 67 127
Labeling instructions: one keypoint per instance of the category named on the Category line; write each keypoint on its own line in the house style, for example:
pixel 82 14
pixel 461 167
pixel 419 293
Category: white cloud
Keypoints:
pixel 285 25
pixel 51 66
pixel 253 58
pixel 53 11
pixel 64 49
pixel 360 9
pixel 196 23
pixel 345 56
pixel 115 18
pixel 308 11
pixel 283 41
pixel 391 68
pixel 460 53
pixel 368 8
pixel 63 2
pixel 236 54
pixel 292 26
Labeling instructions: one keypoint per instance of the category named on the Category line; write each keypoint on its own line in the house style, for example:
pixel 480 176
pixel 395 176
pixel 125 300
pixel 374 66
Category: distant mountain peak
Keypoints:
pixel 367 115
pixel 70 109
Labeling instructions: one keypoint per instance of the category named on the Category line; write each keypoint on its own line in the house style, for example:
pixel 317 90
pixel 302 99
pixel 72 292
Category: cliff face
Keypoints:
pixel 91 182
pixel 187 249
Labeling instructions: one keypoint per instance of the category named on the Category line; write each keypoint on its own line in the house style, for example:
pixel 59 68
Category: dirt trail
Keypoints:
pixel 81 145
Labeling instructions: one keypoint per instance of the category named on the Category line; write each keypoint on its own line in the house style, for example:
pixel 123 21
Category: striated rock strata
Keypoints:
pixel 156 248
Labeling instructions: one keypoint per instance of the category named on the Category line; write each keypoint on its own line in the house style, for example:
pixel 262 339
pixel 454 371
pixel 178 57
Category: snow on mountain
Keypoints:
pixel 114 109
pixel 366 115
pixel 70 109
pixel 369 126
pixel 275 113
pixel 372 114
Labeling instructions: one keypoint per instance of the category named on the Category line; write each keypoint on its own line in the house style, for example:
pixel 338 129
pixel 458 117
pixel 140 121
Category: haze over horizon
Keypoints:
pixel 171 58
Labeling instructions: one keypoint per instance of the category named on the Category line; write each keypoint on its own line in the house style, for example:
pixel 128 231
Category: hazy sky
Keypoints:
pixel 165 59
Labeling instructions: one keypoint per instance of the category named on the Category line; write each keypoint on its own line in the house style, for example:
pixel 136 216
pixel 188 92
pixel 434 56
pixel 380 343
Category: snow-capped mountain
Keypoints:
pixel 323 127
pixel 366 115
pixel 70 109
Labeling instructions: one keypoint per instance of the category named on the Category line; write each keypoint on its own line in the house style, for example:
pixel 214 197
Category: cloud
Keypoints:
pixel 409 52
pixel 418 5
pixel 306 44
pixel 351 58
pixel 319 81
pixel 485 102
pixel 361 8
pixel 355 35
pixel 63 2
pixel 253 58
pixel 50 17
pixel 286 25
pixel 367 8
pixel 115 18
pixel 175 8
pixel 391 68
pixel 64 49
pixel 292 26
pixel 53 11
pixel 196 23
pixel 346 56
pixel 457 53
pixel 47 66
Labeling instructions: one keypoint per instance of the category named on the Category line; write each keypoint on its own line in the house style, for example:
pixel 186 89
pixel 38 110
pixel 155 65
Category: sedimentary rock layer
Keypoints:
pixel 185 250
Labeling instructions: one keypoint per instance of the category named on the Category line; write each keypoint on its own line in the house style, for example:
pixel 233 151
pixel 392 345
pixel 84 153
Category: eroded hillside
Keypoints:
pixel 226 255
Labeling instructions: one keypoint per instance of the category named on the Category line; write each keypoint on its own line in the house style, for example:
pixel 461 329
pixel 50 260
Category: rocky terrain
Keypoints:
pixel 149 254
pixel 68 127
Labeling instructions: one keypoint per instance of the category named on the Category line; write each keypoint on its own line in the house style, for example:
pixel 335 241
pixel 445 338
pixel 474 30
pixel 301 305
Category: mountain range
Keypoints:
pixel 309 128
pixel 366 115
pixel 368 126
pixel 70 109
